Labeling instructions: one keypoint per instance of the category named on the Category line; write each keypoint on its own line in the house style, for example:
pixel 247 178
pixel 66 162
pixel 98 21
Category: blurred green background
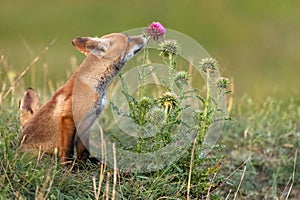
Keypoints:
pixel 256 42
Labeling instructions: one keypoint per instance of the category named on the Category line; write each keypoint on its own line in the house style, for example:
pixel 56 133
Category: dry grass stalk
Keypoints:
pixel 12 87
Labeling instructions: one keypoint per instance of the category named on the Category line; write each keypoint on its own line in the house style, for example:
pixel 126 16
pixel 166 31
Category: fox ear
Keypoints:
pixel 28 105
pixel 79 43
pixel 95 46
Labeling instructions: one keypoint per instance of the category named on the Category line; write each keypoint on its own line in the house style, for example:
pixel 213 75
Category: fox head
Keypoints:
pixel 112 46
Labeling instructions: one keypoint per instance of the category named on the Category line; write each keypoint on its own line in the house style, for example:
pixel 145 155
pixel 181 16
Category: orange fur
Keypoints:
pixel 63 121
pixel 29 105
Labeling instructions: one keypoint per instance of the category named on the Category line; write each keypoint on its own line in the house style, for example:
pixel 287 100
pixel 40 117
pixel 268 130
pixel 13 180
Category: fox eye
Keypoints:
pixel 129 39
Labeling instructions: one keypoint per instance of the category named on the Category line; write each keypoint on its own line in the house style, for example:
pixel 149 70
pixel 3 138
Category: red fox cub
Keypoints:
pixel 63 121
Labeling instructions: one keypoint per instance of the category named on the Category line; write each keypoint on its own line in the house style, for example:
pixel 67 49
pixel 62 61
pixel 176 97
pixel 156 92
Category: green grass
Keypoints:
pixel 264 139
pixel 258 153
pixel 267 135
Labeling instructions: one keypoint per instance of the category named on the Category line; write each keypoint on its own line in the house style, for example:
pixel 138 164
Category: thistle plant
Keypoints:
pixel 169 50
pixel 209 67
pixel 158 117
pixel 207 116
pixel 155 31
pixel 181 79
pixel 223 83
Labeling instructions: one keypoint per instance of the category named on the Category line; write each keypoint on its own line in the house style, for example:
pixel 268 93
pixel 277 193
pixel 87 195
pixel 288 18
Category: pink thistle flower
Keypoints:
pixel 155 31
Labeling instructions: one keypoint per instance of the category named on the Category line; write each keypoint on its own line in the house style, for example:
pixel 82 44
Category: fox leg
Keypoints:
pixel 83 136
pixel 66 139
pixel 82 146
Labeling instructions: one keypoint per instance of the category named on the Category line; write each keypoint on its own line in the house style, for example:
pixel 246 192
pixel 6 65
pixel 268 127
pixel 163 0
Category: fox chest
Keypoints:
pixel 100 103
